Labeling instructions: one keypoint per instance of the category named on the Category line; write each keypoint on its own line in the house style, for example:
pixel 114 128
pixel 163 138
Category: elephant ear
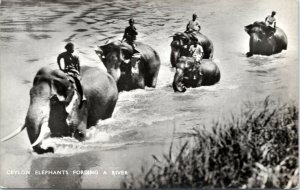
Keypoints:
pixel 99 52
pixel 65 91
pixel 103 50
pixel 248 28
pixel 126 50
pixel 62 86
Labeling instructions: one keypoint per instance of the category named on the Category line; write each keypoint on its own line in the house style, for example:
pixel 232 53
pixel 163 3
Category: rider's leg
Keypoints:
pixel 198 63
pixel 79 89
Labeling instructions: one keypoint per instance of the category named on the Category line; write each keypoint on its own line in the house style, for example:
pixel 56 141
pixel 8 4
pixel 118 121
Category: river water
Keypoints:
pixel 33 33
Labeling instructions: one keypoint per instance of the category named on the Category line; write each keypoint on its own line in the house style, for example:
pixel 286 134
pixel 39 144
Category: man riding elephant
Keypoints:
pixel 131 74
pixel 192 27
pixel 181 43
pixel 129 36
pixel 196 51
pixel 265 40
pixel 55 109
pixel 270 20
pixel 71 66
pixel 187 75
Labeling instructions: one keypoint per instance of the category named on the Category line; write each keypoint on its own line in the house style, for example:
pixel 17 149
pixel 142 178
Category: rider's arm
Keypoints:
pixel 188 27
pixel 266 18
pixel 274 24
pixel 78 64
pixel 198 25
pixel 202 52
pixel 134 30
pixel 125 34
pixel 58 61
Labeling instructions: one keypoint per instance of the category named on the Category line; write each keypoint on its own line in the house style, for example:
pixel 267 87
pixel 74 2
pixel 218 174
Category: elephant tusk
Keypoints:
pixel 45 131
pixel 14 133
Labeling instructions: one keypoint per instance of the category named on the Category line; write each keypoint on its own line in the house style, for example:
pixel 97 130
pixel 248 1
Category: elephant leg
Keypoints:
pixel 251 48
pixel 139 81
pixel 154 81
pixel 200 79
pixel 178 84
pixel 211 55
pixel 151 80
pixel 110 108
pixel 39 150
pixel 249 54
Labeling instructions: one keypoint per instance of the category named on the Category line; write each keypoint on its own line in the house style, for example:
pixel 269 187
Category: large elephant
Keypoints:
pixel 181 42
pixel 188 75
pixel 115 56
pixel 265 40
pixel 56 109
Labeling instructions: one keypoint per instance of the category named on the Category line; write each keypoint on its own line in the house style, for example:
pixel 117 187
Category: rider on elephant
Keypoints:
pixel 129 36
pixel 71 66
pixel 193 26
pixel 196 51
pixel 270 21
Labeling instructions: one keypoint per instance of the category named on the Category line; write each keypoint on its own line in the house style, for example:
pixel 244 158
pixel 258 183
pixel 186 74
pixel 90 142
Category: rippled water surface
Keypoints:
pixel 33 33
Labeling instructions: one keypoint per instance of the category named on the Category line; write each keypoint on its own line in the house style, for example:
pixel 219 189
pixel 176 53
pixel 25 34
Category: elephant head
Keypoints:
pixel 189 74
pixel 179 47
pixel 115 57
pixel 54 109
pixel 259 35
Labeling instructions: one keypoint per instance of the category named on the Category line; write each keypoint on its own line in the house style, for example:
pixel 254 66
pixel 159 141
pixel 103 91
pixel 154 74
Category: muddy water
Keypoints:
pixel 34 32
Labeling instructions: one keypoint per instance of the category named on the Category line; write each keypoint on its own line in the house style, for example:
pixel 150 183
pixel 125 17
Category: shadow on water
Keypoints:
pixel 69 170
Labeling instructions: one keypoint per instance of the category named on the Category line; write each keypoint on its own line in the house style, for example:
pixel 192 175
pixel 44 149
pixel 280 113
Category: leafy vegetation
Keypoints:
pixel 257 148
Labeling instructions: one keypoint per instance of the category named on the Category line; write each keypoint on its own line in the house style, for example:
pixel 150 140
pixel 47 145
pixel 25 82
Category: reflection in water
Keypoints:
pixel 61 172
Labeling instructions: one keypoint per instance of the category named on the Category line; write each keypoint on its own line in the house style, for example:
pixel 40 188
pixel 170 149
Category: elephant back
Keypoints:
pixel 206 44
pixel 149 58
pixel 210 71
pixel 281 39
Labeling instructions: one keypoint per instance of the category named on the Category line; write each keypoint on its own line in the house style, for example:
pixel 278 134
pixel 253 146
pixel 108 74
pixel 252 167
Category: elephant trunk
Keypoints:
pixel 254 43
pixel 176 46
pixel 37 117
pixel 175 54
pixel 178 82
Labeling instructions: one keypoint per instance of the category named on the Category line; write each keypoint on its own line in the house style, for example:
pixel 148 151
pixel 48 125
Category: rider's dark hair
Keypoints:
pixel 69 46
pixel 131 21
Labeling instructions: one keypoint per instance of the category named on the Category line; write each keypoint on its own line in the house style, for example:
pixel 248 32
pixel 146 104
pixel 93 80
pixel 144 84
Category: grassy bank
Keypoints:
pixel 257 148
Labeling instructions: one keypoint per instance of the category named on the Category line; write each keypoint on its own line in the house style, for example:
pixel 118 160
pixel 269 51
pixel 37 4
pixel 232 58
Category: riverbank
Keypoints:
pixel 257 148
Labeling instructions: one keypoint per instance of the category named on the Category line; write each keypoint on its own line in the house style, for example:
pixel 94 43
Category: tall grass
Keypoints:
pixel 257 148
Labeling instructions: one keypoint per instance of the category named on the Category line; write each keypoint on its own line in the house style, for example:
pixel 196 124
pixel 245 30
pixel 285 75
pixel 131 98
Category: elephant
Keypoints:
pixel 56 110
pixel 181 42
pixel 265 40
pixel 115 56
pixel 188 75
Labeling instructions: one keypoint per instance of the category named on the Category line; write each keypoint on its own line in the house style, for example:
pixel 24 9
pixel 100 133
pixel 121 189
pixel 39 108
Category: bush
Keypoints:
pixel 256 149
